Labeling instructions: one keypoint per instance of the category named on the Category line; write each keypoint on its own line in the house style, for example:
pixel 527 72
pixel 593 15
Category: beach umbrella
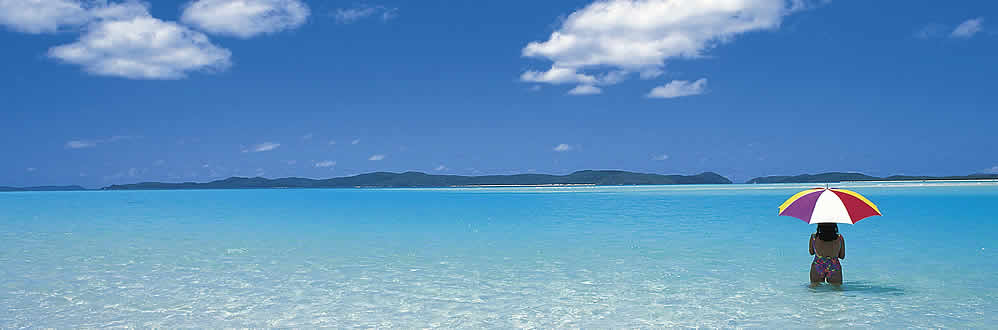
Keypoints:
pixel 829 205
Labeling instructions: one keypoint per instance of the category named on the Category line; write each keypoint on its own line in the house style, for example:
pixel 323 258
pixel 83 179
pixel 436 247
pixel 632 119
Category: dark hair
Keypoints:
pixel 828 231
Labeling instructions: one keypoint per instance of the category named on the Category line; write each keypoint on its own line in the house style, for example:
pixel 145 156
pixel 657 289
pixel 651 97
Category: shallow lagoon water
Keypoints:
pixel 652 256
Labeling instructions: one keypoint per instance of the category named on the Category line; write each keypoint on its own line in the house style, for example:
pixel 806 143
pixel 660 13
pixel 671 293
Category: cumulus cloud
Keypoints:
pixel 127 42
pixel 660 157
pixel 562 148
pixel 307 137
pixel 968 28
pixel 119 38
pixel 440 168
pixel 355 141
pixel 376 157
pixel 332 142
pixel 245 18
pixel 557 75
pixel 325 163
pixel 679 88
pixel 351 15
pixel 266 146
pixel 122 39
pixel 42 16
pixel 49 16
pixel 30 169
pixel 625 36
pixel 585 90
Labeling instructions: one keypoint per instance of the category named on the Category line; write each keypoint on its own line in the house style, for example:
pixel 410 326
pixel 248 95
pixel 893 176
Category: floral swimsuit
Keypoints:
pixel 825 265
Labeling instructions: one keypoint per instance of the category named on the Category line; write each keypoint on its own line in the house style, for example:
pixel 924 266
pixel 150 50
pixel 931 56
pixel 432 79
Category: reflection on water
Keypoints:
pixel 861 287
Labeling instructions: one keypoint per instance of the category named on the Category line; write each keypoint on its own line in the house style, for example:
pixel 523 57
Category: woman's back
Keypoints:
pixel 827 248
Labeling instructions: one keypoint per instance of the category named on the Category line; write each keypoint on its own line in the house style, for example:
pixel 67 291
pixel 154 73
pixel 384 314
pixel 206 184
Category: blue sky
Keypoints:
pixel 96 93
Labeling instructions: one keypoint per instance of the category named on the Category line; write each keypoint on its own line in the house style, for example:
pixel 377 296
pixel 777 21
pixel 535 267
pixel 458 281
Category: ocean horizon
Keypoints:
pixel 531 257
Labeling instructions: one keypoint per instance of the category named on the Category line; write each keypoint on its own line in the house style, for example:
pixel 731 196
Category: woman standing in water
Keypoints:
pixel 828 247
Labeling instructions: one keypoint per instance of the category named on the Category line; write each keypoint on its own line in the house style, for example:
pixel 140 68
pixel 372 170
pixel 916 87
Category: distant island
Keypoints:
pixel 423 180
pixel 832 177
pixel 43 188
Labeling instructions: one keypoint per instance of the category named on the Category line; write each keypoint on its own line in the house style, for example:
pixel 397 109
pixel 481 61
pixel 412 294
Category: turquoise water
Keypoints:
pixel 656 256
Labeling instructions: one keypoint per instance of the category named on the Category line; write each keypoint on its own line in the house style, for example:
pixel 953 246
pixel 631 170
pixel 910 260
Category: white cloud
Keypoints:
pixel 332 142
pixel 119 38
pixel 49 16
pixel 651 73
pixel 291 162
pixel 660 157
pixel 307 137
pixel 968 28
pixel 355 141
pixel 351 15
pixel 557 75
pixel 376 157
pixel 80 144
pixel 440 168
pixel 325 163
pixel 679 88
pixel 42 16
pixel 992 170
pixel 641 35
pixel 143 47
pixel 585 90
pixel 245 18
pixel 562 148
pixel 266 146
pixel 30 169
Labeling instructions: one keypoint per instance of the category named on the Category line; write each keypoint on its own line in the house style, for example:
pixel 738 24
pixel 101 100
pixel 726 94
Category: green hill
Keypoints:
pixel 418 179
pixel 43 188
pixel 832 177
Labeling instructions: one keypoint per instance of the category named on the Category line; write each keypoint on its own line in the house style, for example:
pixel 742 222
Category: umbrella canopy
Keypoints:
pixel 829 205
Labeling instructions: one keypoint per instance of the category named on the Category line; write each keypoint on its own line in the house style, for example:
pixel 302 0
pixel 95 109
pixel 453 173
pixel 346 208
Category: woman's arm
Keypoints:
pixel 810 245
pixel 842 248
